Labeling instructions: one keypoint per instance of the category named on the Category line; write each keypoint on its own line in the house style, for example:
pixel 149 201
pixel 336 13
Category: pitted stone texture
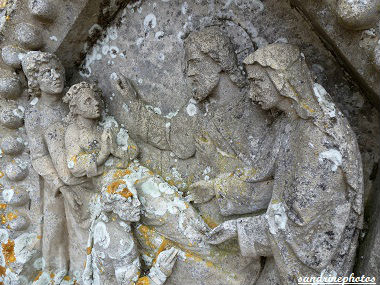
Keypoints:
pixel 16 172
pixel 12 145
pixel 29 36
pixel 358 14
pixel 16 196
pixel 10 87
pixel 12 56
pixel 11 115
pixel 353 48
pixel 43 9
pixel 20 223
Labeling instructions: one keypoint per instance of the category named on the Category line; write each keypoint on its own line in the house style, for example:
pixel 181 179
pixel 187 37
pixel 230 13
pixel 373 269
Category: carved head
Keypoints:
pixel 120 197
pixel 279 78
pixel 84 99
pixel 209 52
pixel 44 72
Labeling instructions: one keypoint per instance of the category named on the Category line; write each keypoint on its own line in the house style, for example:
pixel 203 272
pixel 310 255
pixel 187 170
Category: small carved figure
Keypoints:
pixel 88 146
pixel 45 130
pixel 113 257
pixel 311 223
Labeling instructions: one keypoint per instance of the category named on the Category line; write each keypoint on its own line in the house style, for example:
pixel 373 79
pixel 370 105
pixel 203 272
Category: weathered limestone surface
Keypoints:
pixel 355 44
pixel 188 142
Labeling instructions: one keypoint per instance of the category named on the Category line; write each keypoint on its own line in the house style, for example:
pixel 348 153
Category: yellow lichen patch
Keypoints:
pixel 307 107
pixel 11 216
pixel 143 281
pixel 89 250
pixel 120 173
pixel 162 247
pixel 150 172
pixel 3 206
pixel 3 219
pixel 112 188
pixel 39 237
pixel 1 174
pixel 3 3
pixel 38 276
pixel 211 223
pixel 66 278
pixel 125 193
pixel 9 251
pixel 52 275
pixel 197 258
pixel 147 233
pixel 2 271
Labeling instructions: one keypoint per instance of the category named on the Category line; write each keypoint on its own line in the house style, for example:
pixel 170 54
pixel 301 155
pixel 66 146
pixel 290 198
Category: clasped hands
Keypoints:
pixel 202 192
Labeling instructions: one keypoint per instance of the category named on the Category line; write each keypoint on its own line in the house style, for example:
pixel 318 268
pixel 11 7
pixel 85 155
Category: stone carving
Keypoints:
pixel 202 165
pixel 45 130
pixel 88 146
pixel 314 214
pixel 358 15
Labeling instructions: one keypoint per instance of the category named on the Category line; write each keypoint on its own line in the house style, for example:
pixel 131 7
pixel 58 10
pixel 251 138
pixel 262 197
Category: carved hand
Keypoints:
pixel 201 191
pixel 106 146
pixel 166 260
pixel 124 86
pixel 223 232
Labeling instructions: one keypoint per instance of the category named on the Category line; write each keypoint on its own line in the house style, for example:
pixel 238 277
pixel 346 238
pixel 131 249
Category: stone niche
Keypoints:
pixel 230 190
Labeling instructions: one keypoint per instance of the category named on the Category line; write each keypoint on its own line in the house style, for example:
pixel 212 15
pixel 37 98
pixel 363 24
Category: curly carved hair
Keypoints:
pixel 31 64
pixel 72 96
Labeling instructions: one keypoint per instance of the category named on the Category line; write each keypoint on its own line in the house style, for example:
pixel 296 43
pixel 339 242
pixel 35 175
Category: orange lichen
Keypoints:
pixel 3 219
pixel 120 173
pixel 143 281
pixel 125 193
pixel 11 216
pixel 147 234
pixel 66 278
pixel 9 251
pixel 3 206
pixel 1 174
pixel 112 189
pixel 38 276
pixel 89 250
pixel 162 247
pixel 3 270
pixel 39 237
pixel 52 275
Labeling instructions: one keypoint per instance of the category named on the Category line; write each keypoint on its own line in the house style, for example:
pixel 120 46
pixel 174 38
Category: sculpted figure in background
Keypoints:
pixel 113 257
pixel 222 113
pixel 88 146
pixel 45 131
pixel 311 224
pixel 212 72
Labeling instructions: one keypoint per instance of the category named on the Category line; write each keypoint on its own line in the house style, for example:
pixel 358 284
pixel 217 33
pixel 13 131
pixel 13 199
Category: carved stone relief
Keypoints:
pixel 200 142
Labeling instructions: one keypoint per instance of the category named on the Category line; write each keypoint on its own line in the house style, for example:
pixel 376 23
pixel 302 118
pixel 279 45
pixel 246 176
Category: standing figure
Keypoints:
pixel 312 222
pixel 88 146
pixel 112 255
pixel 45 131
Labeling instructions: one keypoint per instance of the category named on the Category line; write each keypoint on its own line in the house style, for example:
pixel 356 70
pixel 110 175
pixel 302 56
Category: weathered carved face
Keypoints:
pixel 262 89
pixel 51 77
pixel 88 104
pixel 202 72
